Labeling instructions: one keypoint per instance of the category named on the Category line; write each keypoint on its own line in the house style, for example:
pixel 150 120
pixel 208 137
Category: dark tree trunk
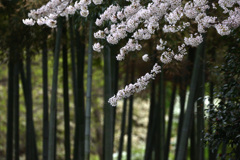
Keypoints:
pixel 115 71
pixel 10 106
pixel 151 124
pixel 31 145
pixel 123 123
pixel 130 116
pixel 45 97
pixel 160 133
pixel 182 95
pixel 187 122
pixel 80 48
pixel 108 109
pixel 16 106
pixel 169 129
pixel 66 95
pixel 193 140
pixel 53 105
pixel 75 91
pixel 89 95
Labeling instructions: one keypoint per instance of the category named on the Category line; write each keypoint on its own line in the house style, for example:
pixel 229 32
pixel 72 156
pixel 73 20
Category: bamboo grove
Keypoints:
pixel 55 91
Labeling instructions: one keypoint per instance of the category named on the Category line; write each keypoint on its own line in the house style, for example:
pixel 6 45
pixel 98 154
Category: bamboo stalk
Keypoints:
pixel 66 95
pixel 169 129
pixel 45 97
pixel 182 95
pixel 80 48
pixel 190 107
pixel 75 88
pixel 16 107
pixel 108 110
pixel 123 123
pixel 130 117
pixel 88 97
pixel 10 107
pixel 53 105
pixel 151 124
pixel 160 133
pixel 31 138
pixel 115 71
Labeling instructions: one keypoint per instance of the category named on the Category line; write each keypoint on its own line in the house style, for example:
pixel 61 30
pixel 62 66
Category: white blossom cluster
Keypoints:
pixel 193 41
pixel 181 52
pixel 48 13
pixel 140 22
pixel 132 45
pixel 137 21
pixel 145 57
pixel 167 56
pixel 162 45
pixel 136 87
pixel 97 47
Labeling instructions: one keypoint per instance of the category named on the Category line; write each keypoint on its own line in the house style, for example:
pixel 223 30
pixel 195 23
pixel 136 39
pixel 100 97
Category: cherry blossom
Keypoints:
pixel 137 22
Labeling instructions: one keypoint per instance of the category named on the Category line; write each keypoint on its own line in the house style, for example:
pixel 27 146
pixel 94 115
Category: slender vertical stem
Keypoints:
pixel 16 107
pixel 182 95
pixel 66 95
pixel 115 70
pixel 193 153
pixel 188 115
pixel 45 97
pixel 80 48
pixel 89 89
pixel 130 116
pixel 121 141
pixel 169 129
pixel 31 138
pixel 160 134
pixel 53 105
pixel 151 123
pixel 75 91
pixel 10 107
pixel 108 110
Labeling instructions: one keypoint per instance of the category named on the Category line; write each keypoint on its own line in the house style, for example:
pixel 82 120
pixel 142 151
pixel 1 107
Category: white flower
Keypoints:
pixel 145 57
pixel 51 23
pixel 162 45
pixel 178 57
pixel 222 29
pixel 167 56
pixel 100 34
pixel 70 10
pixel 41 21
pixel 84 13
pixel 193 41
pixel 97 2
pixel 29 21
pixel 97 47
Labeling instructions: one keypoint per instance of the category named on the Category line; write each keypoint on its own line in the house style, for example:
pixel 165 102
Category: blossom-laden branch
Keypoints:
pixel 140 85
pixel 48 13
pixel 140 22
